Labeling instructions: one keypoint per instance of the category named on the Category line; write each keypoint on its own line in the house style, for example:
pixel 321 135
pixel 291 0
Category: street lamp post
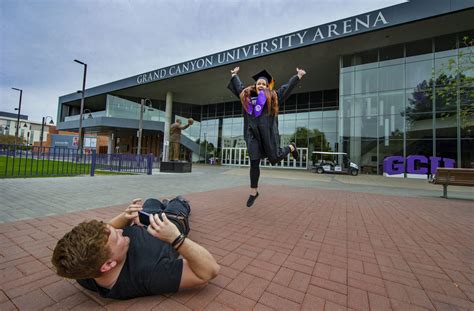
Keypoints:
pixel 205 148
pixel 140 123
pixel 18 116
pixel 43 123
pixel 81 136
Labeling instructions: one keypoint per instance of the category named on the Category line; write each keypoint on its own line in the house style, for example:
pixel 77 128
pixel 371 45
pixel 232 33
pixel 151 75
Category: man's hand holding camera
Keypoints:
pixel 129 216
pixel 164 229
pixel 159 227
pixel 131 212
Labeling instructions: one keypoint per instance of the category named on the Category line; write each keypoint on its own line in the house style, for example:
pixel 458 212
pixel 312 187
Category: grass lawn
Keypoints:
pixel 45 168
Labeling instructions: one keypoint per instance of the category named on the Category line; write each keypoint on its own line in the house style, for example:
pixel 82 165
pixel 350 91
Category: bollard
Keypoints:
pixel 93 160
pixel 149 164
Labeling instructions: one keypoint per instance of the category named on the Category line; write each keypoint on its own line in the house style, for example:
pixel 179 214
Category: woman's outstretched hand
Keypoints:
pixel 234 71
pixel 299 72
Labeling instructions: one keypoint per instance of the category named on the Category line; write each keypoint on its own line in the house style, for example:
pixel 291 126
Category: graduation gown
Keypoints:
pixel 261 133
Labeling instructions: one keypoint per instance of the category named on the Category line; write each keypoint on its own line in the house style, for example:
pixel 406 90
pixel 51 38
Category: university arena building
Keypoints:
pixel 392 82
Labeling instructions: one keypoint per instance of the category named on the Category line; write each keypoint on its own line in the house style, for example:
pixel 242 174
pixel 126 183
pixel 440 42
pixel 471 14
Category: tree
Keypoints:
pixel 313 138
pixel 206 148
pixel 453 81
pixel 10 140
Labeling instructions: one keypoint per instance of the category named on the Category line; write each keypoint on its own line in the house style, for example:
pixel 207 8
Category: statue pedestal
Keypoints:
pixel 175 167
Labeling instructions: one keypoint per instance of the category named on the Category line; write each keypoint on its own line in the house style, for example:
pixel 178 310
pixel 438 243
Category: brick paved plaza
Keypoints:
pixel 305 248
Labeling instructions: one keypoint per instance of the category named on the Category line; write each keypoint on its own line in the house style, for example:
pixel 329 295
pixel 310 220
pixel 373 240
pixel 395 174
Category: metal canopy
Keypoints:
pixel 321 62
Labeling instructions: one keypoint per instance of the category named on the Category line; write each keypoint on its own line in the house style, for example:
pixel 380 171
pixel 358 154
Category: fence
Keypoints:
pixel 34 161
pixel 240 157
pixel 129 163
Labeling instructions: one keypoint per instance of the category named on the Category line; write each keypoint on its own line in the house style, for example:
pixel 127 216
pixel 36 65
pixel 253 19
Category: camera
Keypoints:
pixel 144 217
pixel 180 221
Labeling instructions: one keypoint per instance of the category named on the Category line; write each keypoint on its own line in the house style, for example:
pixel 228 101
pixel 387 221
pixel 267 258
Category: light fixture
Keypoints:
pixel 90 114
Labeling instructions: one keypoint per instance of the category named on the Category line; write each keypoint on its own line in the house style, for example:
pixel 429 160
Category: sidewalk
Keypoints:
pixel 36 197
pixel 299 247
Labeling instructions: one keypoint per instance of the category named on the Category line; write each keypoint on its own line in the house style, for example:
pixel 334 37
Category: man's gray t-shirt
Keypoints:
pixel 152 267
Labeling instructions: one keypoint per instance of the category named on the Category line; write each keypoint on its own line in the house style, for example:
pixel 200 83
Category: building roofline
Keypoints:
pixel 390 16
pixel 12 115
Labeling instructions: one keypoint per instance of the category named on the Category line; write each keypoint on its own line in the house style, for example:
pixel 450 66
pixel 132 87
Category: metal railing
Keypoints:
pixel 240 157
pixel 130 163
pixel 35 161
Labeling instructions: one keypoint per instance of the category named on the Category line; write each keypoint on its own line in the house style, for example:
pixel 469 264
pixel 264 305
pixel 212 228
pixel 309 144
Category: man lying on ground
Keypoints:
pixel 124 259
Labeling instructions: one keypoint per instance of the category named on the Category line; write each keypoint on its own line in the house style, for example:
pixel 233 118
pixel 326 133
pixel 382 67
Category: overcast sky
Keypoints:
pixel 39 39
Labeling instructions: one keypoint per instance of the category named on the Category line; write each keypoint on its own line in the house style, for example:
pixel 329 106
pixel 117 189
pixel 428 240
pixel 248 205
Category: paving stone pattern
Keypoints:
pixel 24 198
pixel 297 248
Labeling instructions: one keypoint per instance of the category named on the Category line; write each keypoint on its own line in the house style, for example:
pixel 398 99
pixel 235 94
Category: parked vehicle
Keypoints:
pixel 334 162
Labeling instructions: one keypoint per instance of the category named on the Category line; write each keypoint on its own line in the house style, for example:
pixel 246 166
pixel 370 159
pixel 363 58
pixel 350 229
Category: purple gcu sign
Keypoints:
pixel 416 164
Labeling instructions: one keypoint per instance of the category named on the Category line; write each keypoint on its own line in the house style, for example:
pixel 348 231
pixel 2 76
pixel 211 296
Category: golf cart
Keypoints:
pixel 334 162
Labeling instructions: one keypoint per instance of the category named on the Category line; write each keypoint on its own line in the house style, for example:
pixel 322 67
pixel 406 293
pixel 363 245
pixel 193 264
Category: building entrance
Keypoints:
pixel 240 157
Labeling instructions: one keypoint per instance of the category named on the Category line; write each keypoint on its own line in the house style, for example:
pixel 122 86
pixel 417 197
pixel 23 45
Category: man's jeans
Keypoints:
pixel 178 206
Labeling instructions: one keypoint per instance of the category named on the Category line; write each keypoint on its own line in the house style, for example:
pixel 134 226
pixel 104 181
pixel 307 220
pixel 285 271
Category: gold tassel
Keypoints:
pixel 271 84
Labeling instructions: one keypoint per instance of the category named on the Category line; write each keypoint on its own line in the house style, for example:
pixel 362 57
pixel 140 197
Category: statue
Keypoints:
pixel 175 138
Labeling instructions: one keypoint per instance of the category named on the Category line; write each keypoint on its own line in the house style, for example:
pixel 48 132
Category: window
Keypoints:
pixel 467 153
pixel 446 125
pixel 228 108
pixel 391 54
pixel 290 103
pixel 303 102
pixel 316 100
pixel 366 81
pixel 422 47
pixel 212 110
pixel 419 74
pixel 347 83
pixel 419 126
pixel 220 109
pixel 419 101
pixel 365 57
pixel 445 43
pixel 392 102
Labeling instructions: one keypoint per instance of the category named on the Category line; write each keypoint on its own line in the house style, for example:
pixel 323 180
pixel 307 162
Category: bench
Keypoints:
pixel 453 177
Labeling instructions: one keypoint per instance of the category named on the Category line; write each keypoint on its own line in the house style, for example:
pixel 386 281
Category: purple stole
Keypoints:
pixel 257 109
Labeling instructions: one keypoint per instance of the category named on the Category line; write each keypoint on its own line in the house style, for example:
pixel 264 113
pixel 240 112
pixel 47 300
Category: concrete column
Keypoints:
pixel 110 144
pixel 356 132
pixel 168 115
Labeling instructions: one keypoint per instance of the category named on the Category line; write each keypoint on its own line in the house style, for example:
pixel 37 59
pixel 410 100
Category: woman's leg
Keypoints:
pixel 270 141
pixel 281 153
pixel 254 176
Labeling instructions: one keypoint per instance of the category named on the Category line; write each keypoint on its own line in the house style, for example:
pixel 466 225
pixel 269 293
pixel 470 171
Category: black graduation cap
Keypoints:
pixel 265 75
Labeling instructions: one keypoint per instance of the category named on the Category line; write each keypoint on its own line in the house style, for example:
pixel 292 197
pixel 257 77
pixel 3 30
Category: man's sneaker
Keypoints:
pixel 251 199
pixel 294 153
pixel 185 202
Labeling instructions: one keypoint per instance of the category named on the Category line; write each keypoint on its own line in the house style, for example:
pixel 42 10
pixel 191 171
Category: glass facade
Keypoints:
pixel 410 99
pixel 117 107
pixel 309 119
pixel 415 98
